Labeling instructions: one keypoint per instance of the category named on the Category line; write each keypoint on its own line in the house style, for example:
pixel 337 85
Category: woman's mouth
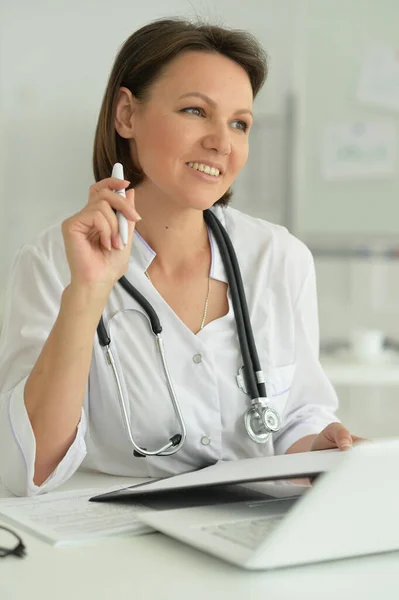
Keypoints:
pixel 204 168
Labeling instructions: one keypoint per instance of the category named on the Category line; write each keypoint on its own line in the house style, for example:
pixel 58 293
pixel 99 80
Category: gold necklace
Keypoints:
pixel 206 301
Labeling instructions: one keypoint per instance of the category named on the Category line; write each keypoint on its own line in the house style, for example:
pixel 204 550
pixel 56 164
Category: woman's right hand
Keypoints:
pixel 93 245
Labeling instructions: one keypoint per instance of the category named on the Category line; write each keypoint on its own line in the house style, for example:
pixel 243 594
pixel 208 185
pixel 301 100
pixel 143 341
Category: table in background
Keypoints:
pixel 347 370
pixel 154 567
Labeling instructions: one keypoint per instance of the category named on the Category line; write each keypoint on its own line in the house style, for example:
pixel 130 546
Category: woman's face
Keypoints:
pixel 198 111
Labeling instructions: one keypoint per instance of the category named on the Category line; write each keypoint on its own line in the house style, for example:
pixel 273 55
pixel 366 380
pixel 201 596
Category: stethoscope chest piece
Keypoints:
pixel 261 421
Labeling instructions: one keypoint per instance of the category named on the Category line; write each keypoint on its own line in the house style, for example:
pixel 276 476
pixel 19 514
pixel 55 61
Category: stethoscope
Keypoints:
pixel 260 419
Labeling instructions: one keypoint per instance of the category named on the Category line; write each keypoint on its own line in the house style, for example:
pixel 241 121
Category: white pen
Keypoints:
pixel 117 172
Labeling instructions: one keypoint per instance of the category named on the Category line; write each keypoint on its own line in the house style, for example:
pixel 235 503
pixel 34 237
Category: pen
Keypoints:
pixel 117 172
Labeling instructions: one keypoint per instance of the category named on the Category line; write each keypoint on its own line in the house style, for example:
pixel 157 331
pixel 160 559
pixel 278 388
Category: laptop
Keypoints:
pixel 349 511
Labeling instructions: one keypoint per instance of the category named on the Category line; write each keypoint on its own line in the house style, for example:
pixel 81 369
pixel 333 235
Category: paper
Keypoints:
pixel 285 466
pixel 66 518
pixel 359 150
pixel 379 81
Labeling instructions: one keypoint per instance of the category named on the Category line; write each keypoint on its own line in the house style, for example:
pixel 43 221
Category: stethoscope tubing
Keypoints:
pixel 176 442
pixel 253 375
pixel 156 327
pixel 249 353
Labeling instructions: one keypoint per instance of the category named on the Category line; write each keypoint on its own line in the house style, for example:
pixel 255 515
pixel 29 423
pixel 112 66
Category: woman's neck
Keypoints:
pixel 179 236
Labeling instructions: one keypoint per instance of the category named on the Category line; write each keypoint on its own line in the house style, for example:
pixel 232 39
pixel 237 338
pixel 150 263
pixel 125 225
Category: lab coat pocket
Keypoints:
pixel 278 385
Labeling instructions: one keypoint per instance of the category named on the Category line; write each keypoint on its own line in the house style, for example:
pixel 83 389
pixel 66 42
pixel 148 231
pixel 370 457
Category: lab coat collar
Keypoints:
pixel 143 254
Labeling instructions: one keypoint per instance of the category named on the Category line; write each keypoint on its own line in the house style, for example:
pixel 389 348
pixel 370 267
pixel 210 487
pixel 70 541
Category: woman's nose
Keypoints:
pixel 219 140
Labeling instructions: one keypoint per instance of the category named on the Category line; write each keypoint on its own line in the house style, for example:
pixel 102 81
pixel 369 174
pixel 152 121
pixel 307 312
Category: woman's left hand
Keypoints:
pixel 335 435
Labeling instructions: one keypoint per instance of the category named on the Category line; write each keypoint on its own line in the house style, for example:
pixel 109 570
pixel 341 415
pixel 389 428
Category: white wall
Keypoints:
pixel 335 37
pixel 333 41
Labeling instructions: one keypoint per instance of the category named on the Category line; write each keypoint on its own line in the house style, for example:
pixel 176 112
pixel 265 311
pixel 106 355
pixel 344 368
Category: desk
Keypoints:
pixel 154 567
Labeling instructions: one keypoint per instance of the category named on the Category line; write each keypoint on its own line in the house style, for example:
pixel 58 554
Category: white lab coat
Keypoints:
pixel 279 280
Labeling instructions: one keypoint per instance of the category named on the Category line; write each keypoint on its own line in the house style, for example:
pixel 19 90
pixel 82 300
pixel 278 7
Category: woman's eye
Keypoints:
pixel 242 125
pixel 194 110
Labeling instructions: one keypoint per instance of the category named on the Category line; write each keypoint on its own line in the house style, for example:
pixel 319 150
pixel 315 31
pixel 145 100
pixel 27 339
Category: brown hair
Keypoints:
pixel 140 62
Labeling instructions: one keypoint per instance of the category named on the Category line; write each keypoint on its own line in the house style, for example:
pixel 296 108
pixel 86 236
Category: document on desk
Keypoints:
pixel 249 470
pixel 67 518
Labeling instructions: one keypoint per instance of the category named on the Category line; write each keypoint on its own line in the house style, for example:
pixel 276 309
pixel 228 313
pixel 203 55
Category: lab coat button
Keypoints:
pixel 205 440
pixel 197 358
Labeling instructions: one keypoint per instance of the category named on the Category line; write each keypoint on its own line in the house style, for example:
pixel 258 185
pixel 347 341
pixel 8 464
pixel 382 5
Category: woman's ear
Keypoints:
pixel 125 113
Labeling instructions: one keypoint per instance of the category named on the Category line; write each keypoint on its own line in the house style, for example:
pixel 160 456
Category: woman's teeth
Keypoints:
pixel 204 168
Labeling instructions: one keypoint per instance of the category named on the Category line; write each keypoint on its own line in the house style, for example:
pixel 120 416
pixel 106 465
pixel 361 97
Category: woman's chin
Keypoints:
pixel 200 202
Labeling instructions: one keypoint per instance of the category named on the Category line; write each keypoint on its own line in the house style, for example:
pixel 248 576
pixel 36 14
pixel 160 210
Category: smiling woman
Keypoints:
pixel 177 113
pixel 165 131
pixel 169 60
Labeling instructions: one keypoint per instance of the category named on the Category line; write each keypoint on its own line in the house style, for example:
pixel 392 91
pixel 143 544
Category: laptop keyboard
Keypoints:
pixel 249 533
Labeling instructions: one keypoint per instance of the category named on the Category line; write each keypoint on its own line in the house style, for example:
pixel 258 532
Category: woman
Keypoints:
pixel 177 113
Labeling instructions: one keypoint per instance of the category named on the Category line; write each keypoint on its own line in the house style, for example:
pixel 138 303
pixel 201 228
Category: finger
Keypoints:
pixel 356 439
pixel 130 225
pixel 336 436
pixel 110 183
pixel 130 199
pixel 109 214
pixel 330 432
pixel 119 203
pixel 322 443
pixel 103 229
pixel 104 207
pixel 343 438
pixel 115 239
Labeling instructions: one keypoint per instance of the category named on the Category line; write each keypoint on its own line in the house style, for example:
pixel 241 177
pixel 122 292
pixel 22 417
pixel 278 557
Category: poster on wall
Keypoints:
pixel 359 150
pixel 379 81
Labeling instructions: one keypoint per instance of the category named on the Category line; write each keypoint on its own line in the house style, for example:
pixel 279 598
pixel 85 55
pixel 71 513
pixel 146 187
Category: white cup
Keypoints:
pixel 367 344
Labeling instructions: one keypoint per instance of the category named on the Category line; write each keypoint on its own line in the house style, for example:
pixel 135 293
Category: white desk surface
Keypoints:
pixel 154 567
